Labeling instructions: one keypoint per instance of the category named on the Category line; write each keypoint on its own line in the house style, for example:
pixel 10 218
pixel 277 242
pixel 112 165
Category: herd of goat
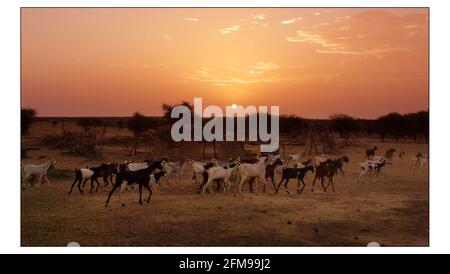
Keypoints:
pixel 234 171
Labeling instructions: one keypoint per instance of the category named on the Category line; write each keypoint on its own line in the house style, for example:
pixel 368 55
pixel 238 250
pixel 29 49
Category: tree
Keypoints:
pixel 138 124
pixel 418 124
pixel 27 117
pixel 85 122
pixel 394 125
pixel 167 109
pixel 293 125
pixel 344 125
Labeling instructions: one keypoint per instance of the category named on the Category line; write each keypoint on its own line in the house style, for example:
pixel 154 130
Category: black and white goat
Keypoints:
pixel 373 168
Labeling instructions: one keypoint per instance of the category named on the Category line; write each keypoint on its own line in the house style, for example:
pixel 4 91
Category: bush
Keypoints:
pixel 75 143
pixel 27 117
pixel 139 124
pixel 86 123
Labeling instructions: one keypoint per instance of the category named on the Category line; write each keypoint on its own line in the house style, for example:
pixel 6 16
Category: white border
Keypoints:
pixel 10 121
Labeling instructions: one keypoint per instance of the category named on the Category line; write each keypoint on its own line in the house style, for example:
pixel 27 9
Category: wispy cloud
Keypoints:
pixel 375 51
pixel 368 33
pixel 259 73
pixel 291 20
pixel 167 37
pixel 311 37
pixel 260 16
pixel 231 29
pixel 261 67
pixel 192 19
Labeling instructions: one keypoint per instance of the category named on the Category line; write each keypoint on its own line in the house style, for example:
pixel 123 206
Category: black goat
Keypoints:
pixel 158 175
pixel 389 154
pixel 326 169
pixel 140 177
pixel 106 171
pixel 292 173
pixel 371 152
pixel 340 163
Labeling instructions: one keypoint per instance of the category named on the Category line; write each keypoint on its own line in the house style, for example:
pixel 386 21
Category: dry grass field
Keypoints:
pixel 392 212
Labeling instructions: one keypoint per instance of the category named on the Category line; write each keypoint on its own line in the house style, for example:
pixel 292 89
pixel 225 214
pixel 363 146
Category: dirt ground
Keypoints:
pixel 393 212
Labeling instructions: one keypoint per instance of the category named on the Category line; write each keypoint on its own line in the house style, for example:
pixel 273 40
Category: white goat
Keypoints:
pixel 220 173
pixel 31 171
pixel 198 168
pixel 257 170
pixel 175 167
pixel 295 157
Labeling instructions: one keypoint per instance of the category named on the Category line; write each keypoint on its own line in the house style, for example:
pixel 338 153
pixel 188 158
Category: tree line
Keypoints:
pixel 395 126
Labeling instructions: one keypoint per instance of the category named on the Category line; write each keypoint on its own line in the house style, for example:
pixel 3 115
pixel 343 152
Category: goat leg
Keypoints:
pixel 98 184
pixel 140 194
pixel 278 187
pixel 105 181
pixel 299 190
pixel 272 179
pixel 150 193
pixel 313 183
pixel 323 185
pixel 343 176
pixel 286 185
pixel 92 185
pixel 332 183
pixel 304 185
pixel 47 180
pixel 115 186
pixel 73 184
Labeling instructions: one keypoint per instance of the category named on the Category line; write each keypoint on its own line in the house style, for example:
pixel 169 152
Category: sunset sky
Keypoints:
pixel 310 62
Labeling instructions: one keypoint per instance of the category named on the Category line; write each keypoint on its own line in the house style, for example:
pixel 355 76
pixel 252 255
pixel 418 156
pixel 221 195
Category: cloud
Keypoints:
pixel 375 51
pixel 259 73
pixel 261 67
pixel 312 37
pixel 317 13
pixel 192 19
pixel 260 23
pixel 231 29
pixel 261 16
pixel 167 37
pixel 292 20
pixel 373 33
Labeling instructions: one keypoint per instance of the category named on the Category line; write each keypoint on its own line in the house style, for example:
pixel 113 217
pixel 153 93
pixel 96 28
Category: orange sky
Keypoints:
pixel 310 62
